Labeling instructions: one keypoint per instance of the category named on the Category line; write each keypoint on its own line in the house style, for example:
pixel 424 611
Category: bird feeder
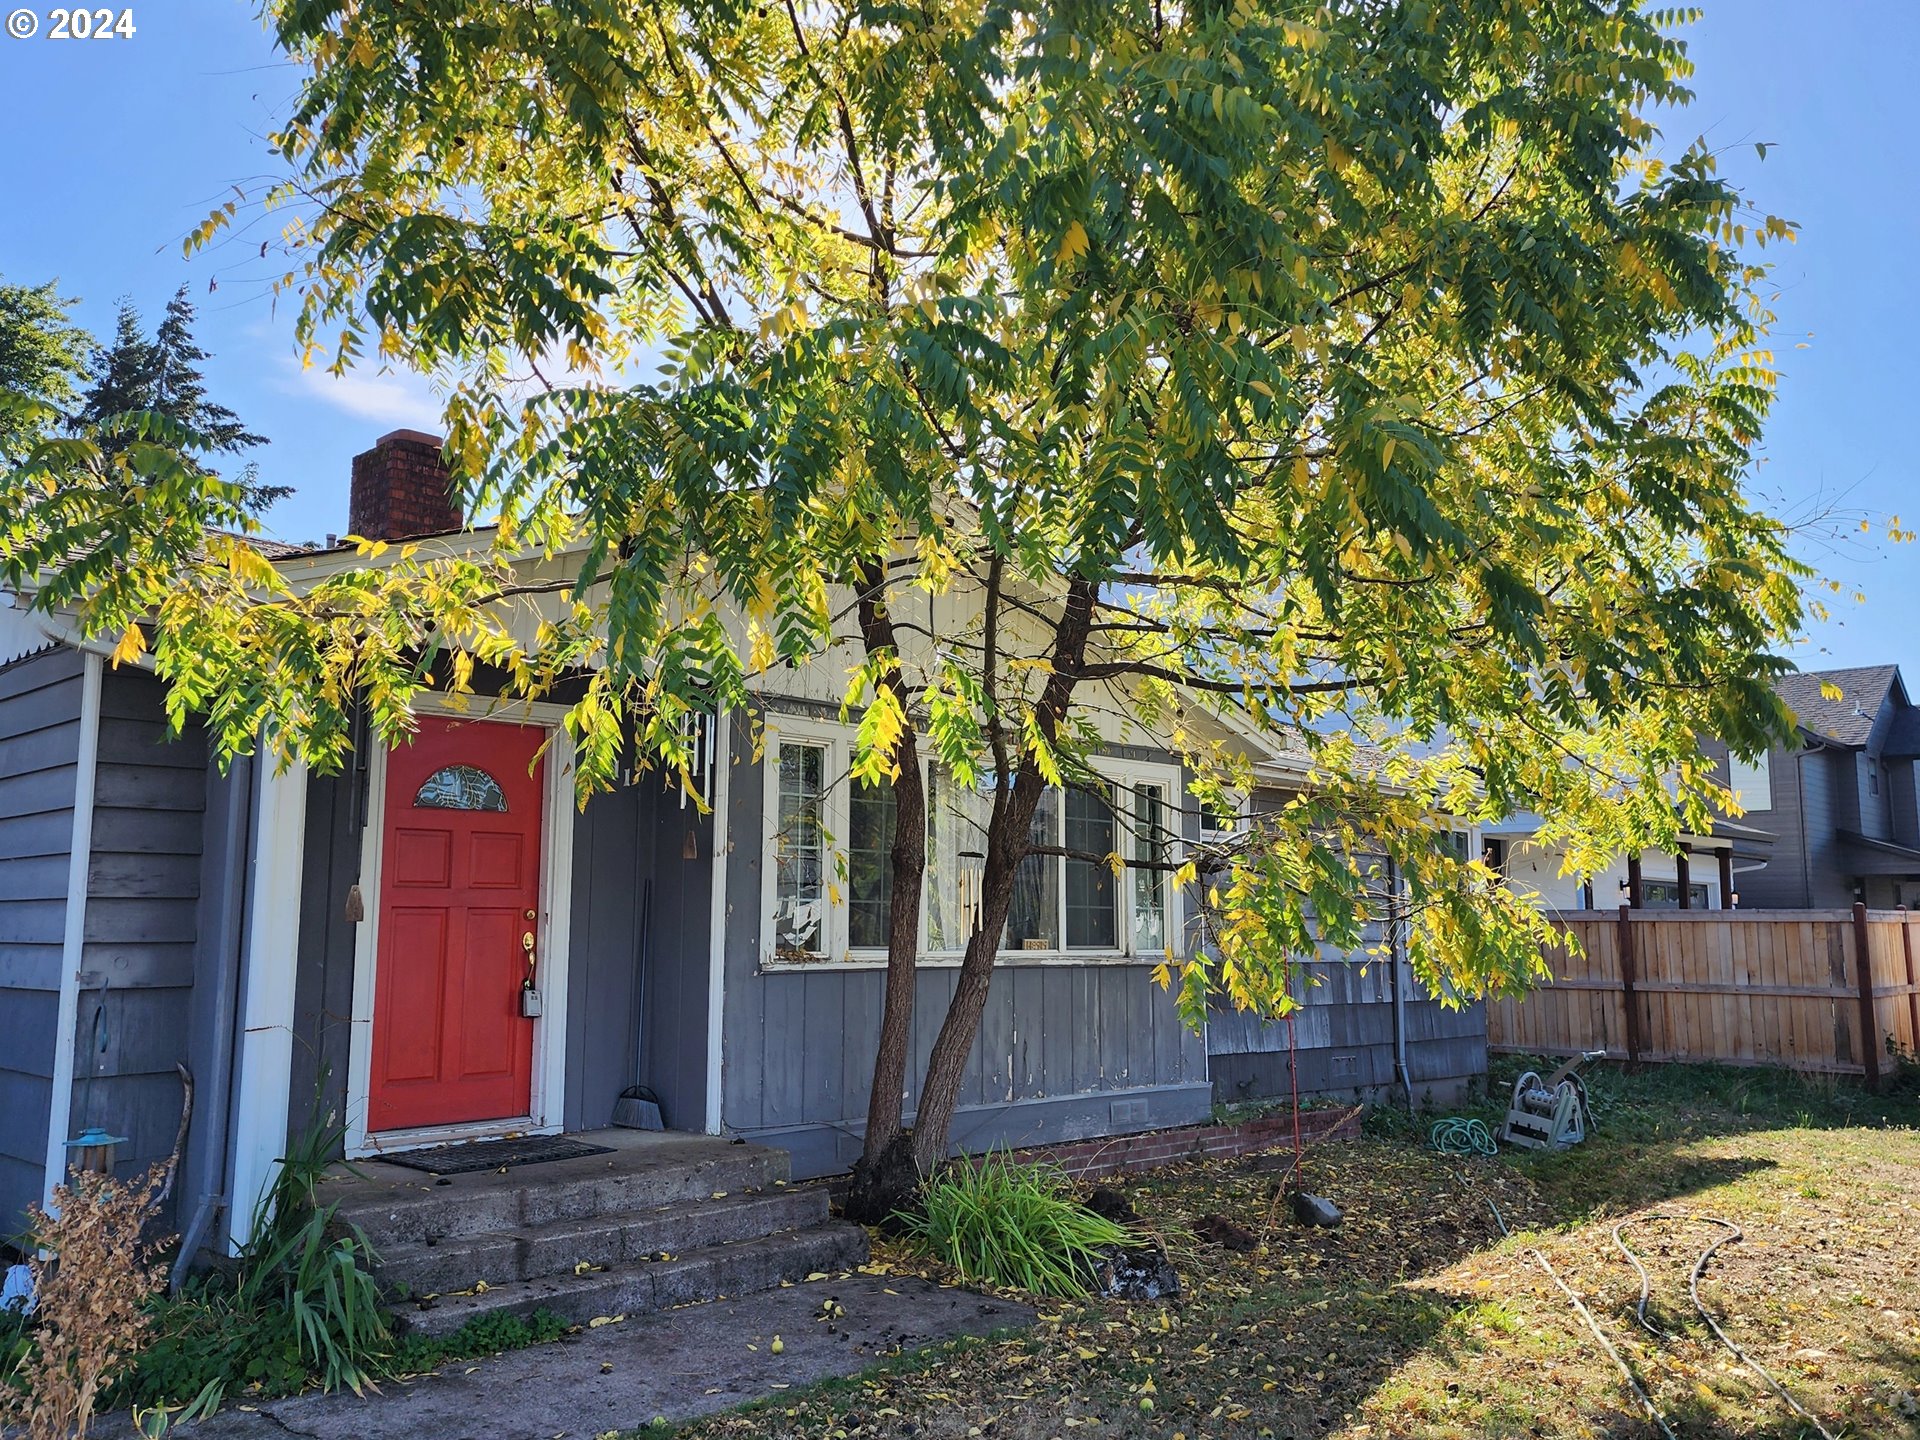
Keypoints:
pixel 93 1149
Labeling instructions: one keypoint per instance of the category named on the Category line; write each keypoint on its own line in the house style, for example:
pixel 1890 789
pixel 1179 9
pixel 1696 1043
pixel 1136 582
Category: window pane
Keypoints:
pixel 1093 920
pixel 956 845
pixel 870 822
pixel 1150 842
pixel 800 853
pixel 460 787
pixel 1033 921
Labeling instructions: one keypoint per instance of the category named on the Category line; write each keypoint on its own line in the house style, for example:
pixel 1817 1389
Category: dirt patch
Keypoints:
pixel 1417 1318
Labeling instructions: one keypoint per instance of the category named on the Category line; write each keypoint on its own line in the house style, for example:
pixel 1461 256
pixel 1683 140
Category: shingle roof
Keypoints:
pixel 272 549
pixel 1848 720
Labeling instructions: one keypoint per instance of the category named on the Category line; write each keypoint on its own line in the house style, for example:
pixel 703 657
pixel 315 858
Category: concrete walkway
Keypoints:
pixel 678 1364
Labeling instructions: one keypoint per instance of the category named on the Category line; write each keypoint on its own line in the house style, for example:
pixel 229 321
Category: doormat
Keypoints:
pixel 493 1154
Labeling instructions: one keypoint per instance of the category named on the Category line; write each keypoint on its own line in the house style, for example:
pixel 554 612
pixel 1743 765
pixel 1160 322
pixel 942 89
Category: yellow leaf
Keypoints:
pixel 1073 245
pixel 132 646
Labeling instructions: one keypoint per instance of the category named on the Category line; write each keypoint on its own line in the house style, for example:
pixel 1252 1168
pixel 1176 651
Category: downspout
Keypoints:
pixel 1397 953
pixel 216 1111
pixel 74 932
pixel 721 795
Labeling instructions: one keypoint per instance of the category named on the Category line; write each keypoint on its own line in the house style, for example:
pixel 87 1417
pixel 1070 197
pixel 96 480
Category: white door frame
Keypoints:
pixel 546 1108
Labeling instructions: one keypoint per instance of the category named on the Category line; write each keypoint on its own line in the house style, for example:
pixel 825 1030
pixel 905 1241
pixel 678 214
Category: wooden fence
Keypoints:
pixel 1825 990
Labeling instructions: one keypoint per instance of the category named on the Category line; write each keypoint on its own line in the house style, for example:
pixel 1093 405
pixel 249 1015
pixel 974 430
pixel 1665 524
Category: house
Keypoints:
pixel 437 945
pixel 1839 796
pixel 1830 816
pixel 1366 1028
pixel 1711 871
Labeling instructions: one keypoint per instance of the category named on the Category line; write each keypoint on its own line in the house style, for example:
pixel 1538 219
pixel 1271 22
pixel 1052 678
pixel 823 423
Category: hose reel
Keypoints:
pixel 1549 1114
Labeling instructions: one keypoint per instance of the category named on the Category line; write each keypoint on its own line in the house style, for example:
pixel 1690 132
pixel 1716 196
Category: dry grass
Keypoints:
pixel 1417 1319
pixel 90 1295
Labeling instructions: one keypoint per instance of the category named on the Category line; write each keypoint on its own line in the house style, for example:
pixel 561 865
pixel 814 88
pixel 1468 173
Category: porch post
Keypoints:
pixel 1635 898
pixel 1683 872
pixel 264 1067
pixel 1863 977
pixel 1726 878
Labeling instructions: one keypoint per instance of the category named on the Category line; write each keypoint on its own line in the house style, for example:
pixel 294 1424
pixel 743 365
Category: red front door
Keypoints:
pixel 459 904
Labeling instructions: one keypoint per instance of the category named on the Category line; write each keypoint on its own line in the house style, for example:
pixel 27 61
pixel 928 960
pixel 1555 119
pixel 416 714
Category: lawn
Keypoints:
pixel 1417 1318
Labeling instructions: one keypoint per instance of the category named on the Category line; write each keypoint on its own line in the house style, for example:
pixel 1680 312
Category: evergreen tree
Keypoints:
pixel 163 375
pixel 179 390
pixel 42 360
pixel 123 377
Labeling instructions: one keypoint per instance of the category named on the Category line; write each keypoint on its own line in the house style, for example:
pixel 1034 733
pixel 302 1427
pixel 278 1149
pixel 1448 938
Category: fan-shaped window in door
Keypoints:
pixel 460 787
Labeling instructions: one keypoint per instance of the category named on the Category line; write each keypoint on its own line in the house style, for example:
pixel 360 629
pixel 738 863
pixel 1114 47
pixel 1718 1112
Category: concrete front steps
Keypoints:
pixel 665 1220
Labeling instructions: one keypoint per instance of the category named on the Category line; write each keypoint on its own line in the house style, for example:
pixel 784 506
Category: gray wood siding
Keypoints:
pixel 1814 792
pixel 323 955
pixel 139 959
pixel 39 754
pixel 1064 1051
pixel 1343 1039
pixel 642 918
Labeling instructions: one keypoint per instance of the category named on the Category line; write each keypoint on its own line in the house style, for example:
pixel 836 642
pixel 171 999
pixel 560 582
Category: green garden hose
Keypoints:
pixel 1459 1135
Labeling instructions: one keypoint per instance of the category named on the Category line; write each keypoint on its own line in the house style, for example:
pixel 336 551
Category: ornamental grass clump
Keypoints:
pixel 999 1223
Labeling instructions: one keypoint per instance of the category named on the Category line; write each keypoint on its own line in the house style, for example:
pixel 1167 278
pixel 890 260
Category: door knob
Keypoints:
pixel 526 943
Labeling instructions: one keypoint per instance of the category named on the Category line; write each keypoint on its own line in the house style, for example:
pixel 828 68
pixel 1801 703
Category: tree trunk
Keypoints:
pixel 1009 837
pixel 1007 842
pixel 884 1177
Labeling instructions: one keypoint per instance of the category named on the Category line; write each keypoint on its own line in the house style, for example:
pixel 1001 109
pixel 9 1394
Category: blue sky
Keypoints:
pixel 110 151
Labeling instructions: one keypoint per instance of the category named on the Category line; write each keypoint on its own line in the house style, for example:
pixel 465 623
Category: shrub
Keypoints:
pixel 300 1307
pixel 89 1318
pixel 1018 1225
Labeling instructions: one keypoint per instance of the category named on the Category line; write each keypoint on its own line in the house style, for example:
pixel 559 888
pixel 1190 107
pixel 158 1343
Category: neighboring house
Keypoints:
pixel 1830 816
pixel 1839 797
pixel 1707 872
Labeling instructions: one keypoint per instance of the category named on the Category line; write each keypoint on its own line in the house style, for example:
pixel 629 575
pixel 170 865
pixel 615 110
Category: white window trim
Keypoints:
pixel 838 741
pixel 1212 834
pixel 1751 781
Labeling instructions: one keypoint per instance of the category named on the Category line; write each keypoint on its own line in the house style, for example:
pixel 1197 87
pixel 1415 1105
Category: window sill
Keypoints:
pixel 1006 960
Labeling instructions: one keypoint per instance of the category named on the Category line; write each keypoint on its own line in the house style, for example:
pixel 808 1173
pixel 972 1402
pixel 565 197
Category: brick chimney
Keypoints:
pixel 401 489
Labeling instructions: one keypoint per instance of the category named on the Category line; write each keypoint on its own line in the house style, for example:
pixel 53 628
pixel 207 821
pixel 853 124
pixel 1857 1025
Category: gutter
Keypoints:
pixel 74 933
pixel 62 631
pixel 216 1116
